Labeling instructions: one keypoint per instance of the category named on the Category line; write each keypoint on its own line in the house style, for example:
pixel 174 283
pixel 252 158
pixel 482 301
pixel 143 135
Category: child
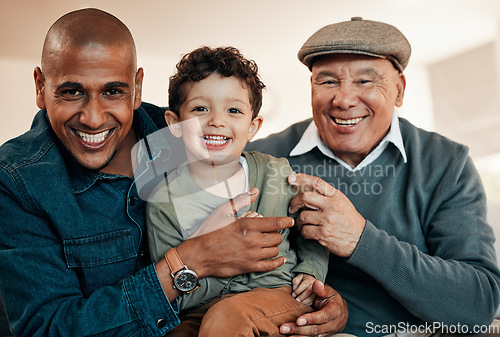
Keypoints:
pixel 215 97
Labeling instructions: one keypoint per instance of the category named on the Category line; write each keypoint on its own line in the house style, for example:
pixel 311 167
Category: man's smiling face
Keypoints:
pixel 90 93
pixel 353 100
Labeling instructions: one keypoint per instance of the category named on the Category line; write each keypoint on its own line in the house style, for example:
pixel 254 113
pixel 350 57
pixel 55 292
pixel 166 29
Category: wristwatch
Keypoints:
pixel 185 279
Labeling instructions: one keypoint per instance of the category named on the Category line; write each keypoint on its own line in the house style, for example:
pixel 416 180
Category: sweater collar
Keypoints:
pixel 311 139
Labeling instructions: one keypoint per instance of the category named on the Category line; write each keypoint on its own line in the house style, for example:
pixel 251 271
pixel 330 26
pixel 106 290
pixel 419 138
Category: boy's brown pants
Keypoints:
pixel 257 312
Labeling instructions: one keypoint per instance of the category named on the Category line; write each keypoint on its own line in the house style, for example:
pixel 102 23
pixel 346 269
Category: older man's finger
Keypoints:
pixel 307 182
pixel 308 199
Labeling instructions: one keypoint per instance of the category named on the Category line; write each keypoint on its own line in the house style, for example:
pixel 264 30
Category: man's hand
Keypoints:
pixel 330 318
pixel 236 246
pixel 327 215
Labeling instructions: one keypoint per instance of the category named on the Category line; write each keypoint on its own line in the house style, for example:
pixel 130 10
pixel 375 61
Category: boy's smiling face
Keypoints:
pixel 220 119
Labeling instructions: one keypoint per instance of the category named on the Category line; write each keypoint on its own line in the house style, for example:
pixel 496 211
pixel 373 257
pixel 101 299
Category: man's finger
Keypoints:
pixel 268 253
pixel 321 290
pixel 266 224
pixel 315 323
pixel 308 199
pixel 311 232
pixel 272 239
pixel 312 183
pixel 268 265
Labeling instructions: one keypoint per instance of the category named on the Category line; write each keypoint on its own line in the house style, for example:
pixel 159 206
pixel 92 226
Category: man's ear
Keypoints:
pixel 400 85
pixel 139 76
pixel 255 126
pixel 39 87
pixel 173 123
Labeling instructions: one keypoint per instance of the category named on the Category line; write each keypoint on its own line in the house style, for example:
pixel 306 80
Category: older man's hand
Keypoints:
pixel 330 317
pixel 327 215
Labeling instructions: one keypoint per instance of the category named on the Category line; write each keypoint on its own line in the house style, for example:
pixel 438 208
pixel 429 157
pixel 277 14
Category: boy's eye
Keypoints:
pixel 200 108
pixel 235 111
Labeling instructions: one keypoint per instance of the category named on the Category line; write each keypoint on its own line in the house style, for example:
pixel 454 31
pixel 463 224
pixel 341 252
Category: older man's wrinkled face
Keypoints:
pixel 353 100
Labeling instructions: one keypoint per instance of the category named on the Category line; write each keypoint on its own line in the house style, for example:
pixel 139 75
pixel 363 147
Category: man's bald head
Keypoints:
pixel 85 28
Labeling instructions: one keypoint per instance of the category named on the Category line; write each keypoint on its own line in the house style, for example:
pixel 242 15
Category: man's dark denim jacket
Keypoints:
pixel 73 250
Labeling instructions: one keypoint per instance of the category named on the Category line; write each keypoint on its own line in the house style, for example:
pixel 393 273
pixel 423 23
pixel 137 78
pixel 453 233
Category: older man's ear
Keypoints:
pixel 401 85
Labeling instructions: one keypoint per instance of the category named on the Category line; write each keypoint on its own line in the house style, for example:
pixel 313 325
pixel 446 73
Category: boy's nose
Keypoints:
pixel 217 119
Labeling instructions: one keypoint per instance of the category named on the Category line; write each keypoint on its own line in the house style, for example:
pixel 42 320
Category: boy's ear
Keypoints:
pixel 254 127
pixel 173 123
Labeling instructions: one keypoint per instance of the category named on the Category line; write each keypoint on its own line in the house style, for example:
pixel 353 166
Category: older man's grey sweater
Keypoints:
pixel 426 254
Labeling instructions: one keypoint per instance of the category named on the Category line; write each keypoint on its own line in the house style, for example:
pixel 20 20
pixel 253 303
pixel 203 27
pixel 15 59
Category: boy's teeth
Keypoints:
pixel 89 138
pixel 347 122
pixel 215 140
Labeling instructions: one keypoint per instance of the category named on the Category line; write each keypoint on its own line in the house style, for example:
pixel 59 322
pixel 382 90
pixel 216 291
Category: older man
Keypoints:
pixel 73 255
pixel 401 210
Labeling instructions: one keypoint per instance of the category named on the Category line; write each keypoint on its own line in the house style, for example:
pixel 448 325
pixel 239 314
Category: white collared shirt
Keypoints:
pixel 311 139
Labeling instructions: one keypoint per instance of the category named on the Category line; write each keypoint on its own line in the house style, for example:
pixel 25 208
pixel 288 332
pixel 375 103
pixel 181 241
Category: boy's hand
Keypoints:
pixel 225 214
pixel 302 288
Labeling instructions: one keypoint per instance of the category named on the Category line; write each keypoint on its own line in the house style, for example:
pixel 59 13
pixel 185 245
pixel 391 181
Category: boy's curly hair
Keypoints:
pixel 202 62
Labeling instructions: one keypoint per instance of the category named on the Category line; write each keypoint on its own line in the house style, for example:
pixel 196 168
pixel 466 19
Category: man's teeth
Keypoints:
pixel 89 138
pixel 347 122
pixel 215 140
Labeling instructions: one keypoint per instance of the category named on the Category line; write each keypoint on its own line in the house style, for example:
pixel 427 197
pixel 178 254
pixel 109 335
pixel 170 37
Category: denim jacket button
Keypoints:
pixel 160 323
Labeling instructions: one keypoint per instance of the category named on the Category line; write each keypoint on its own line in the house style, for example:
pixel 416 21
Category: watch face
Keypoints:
pixel 186 280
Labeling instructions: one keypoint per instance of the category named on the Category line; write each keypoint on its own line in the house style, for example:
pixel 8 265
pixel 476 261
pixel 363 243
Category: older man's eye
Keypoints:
pixel 365 81
pixel 330 82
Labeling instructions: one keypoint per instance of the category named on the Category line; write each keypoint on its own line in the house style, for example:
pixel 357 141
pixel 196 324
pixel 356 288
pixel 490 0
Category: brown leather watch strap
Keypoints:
pixel 173 260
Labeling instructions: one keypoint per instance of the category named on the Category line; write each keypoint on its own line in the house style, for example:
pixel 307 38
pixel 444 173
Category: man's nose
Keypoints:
pixel 94 112
pixel 345 97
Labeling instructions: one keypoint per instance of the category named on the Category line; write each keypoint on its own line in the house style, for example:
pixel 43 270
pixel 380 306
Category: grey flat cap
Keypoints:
pixel 358 36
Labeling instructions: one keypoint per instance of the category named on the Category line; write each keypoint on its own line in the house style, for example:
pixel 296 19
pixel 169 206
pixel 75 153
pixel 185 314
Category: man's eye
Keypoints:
pixel 330 82
pixel 113 92
pixel 365 81
pixel 72 92
pixel 234 111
